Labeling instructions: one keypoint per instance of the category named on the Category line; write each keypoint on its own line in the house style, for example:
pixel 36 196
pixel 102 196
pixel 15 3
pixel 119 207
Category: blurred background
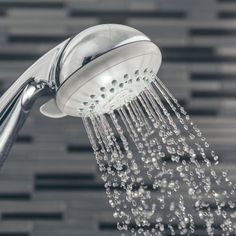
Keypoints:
pixel 50 183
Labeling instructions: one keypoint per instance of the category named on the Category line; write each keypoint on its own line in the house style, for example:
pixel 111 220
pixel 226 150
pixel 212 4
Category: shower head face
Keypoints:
pixel 104 67
pixel 109 81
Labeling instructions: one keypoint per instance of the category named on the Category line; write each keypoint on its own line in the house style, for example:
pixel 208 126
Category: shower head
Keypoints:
pixel 98 70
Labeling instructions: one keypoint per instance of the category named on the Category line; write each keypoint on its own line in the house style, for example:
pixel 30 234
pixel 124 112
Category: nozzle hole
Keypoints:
pixel 121 85
pixel 114 82
pixel 126 76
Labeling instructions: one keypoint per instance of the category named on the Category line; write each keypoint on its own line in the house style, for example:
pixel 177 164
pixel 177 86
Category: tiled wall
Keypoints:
pixel 50 184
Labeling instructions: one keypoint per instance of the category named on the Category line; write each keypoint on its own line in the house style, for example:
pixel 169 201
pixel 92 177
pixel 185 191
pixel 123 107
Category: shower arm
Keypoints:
pixel 17 101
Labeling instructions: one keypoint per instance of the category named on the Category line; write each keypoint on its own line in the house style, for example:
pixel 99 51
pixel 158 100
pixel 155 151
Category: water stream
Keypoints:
pixel 159 171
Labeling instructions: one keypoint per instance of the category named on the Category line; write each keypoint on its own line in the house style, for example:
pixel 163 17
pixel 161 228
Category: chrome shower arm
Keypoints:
pixel 15 112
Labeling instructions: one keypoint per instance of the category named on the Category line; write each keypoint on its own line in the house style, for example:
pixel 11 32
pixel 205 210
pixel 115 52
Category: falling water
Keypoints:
pixel 158 169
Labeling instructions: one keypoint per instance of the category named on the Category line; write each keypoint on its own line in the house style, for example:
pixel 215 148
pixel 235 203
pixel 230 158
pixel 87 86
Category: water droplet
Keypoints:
pixel 141 148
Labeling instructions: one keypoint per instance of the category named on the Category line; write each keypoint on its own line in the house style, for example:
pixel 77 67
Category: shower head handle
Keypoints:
pixel 17 101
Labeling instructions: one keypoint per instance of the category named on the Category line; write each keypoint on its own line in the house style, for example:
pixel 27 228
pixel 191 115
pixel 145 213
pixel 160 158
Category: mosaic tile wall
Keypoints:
pixel 50 184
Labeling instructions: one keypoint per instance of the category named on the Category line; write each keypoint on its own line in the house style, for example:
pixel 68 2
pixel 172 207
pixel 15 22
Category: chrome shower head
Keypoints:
pixel 101 69
pixel 98 70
